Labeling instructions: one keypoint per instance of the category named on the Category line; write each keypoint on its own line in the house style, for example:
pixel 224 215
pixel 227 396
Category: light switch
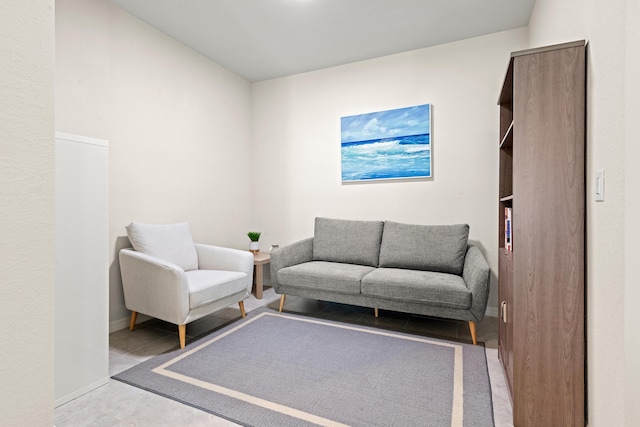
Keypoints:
pixel 599 186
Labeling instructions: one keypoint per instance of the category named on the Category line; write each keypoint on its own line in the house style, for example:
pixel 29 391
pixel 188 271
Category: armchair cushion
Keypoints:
pixel 206 286
pixel 170 242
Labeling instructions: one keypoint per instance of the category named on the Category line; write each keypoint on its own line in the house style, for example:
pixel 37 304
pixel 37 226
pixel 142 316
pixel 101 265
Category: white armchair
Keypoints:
pixel 168 276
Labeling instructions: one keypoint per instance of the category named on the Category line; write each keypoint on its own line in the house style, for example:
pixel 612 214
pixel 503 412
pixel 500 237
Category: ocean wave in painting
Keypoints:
pixel 387 158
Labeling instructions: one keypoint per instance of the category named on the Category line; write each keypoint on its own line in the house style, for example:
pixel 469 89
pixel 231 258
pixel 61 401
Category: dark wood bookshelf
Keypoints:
pixel 541 334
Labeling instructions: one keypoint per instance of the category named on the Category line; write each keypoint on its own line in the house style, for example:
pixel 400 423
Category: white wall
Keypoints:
pixel 27 206
pixel 178 127
pixel 603 25
pixel 296 136
pixel 632 212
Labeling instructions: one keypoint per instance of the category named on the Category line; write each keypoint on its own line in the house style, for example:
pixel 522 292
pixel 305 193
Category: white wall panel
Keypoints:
pixel 82 266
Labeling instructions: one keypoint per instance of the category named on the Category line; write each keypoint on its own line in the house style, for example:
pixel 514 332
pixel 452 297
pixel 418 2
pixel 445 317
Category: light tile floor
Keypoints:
pixel 119 404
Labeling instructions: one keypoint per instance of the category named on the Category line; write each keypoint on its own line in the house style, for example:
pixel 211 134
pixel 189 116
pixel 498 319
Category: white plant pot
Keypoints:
pixel 254 247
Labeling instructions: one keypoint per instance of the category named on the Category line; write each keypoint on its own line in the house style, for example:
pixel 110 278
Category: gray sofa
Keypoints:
pixel 421 269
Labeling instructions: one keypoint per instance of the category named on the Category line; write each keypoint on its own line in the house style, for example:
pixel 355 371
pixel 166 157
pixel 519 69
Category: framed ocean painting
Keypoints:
pixel 391 144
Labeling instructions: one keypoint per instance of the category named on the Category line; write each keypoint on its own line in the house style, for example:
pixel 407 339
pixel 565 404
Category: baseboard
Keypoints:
pixel 491 311
pixel 116 325
pixel 81 391
pixel 123 323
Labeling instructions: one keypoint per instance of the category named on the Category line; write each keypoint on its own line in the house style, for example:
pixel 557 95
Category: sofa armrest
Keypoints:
pixel 475 274
pixel 220 258
pixel 289 255
pixel 154 287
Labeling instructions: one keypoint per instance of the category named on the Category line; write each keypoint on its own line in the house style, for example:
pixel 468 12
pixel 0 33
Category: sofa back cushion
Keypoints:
pixel 170 242
pixel 353 242
pixel 439 248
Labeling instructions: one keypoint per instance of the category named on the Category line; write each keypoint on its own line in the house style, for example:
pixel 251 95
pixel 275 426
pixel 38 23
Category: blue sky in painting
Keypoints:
pixel 386 124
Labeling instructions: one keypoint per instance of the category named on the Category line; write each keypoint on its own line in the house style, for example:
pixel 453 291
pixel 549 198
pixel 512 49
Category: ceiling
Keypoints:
pixel 265 39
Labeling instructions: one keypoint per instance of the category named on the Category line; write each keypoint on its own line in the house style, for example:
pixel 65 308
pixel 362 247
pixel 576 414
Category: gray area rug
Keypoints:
pixel 280 369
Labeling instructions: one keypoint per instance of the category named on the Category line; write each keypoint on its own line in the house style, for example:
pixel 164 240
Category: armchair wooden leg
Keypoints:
pixel 182 333
pixel 472 328
pixel 282 298
pixel 132 323
pixel 242 312
pixel 375 312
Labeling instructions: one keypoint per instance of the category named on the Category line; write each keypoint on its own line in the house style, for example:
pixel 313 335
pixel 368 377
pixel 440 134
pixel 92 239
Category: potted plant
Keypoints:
pixel 254 246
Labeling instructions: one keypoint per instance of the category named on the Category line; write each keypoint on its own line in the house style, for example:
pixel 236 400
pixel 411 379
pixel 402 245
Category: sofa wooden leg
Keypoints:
pixel 282 298
pixel 375 312
pixel 182 333
pixel 242 312
pixel 472 328
pixel 132 323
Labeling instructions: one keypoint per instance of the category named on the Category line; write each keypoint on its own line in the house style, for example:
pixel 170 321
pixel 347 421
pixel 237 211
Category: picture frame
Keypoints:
pixel 387 145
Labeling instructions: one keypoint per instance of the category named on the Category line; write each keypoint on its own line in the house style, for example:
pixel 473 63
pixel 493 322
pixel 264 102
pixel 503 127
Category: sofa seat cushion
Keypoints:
pixel 327 276
pixel 439 248
pixel 440 289
pixel 207 286
pixel 352 242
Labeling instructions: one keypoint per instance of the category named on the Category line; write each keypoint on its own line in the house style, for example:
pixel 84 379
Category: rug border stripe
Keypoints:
pixel 182 401
pixel 457 409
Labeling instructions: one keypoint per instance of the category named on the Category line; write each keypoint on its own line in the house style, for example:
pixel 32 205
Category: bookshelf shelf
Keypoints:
pixel 507 140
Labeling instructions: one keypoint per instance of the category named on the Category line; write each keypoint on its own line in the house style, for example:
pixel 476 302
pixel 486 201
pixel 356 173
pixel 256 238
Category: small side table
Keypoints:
pixel 259 260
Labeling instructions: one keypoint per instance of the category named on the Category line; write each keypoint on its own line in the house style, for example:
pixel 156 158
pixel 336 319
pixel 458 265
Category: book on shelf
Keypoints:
pixel 508 235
